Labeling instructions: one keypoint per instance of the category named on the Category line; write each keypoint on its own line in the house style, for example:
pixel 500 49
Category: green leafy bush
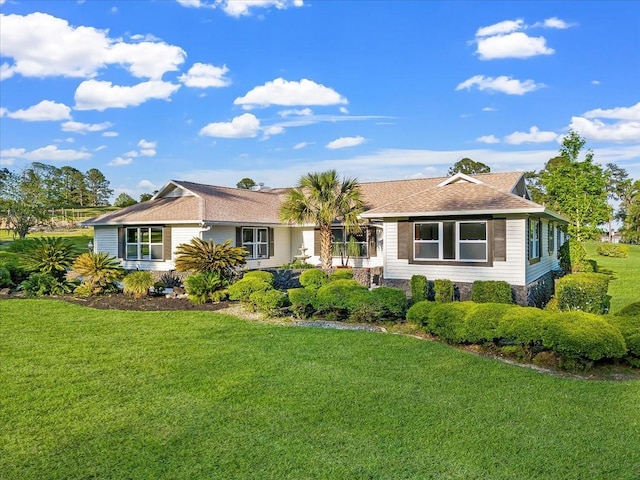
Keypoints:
pixel 302 300
pixel 573 257
pixel 202 256
pixel 260 275
pixel 17 270
pixel 19 245
pixel 494 291
pixel 612 250
pixel 366 312
pixel 419 288
pixel 419 312
pixel 629 327
pixel 553 305
pixel 5 278
pixel 581 335
pixel 523 325
pixel 99 272
pixel 341 274
pixel 138 283
pixel 586 292
pixel 269 302
pixel 482 321
pixel 447 321
pixel 53 255
pixel 242 289
pixel 206 287
pixel 339 297
pixel 313 278
pixel 631 310
pixel 443 290
pixel 41 284
pixel 390 302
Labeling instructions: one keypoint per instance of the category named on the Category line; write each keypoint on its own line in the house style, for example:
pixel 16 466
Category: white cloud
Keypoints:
pixel 147 185
pixel 303 112
pixel 500 28
pixel 119 162
pixel 301 145
pixel 272 130
pixel 502 84
pixel 344 142
pixel 131 154
pixel 42 45
pixel 3 112
pixel 146 144
pixel 49 153
pixel 489 109
pixel 597 130
pixel 344 110
pixel 488 139
pixel 83 128
pixel 512 45
pixel 110 134
pixel 99 95
pixel 190 3
pixel 243 126
pixel 202 75
pixel 618 113
pixel 286 93
pixel 533 136
pixel 553 22
pixel 239 8
pixel 595 82
pixel 100 148
pixel 46 110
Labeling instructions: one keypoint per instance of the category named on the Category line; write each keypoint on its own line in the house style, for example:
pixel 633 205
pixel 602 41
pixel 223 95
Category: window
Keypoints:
pixel 454 240
pixel 144 243
pixel 340 241
pixel 256 241
pixel 534 238
pixel 551 247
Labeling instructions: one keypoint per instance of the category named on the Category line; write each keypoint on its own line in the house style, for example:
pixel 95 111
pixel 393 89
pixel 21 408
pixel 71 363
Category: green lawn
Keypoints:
pixel 165 395
pixel 624 286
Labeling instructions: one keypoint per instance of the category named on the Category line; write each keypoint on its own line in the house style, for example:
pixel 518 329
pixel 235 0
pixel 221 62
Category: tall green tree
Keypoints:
pixel 468 167
pixel 124 200
pixel 98 187
pixel 322 199
pixel 21 208
pixel 577 189
pixel 246 183
pixel 631 215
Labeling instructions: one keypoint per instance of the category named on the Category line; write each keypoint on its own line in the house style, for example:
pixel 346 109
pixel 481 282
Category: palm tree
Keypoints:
pixel 321 199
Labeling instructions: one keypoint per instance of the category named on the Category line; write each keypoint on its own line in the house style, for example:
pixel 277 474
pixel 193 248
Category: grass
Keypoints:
pixel 625 275
pixel 78 236
pixel 106 394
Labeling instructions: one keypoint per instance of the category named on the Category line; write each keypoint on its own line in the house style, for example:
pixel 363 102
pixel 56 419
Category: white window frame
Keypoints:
pixel 364 246
pixel 458 242
pixel 533 236
pixel 139 244
pixel 254 247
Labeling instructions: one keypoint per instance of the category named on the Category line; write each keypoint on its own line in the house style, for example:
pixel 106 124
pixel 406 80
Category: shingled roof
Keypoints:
pixel 189 202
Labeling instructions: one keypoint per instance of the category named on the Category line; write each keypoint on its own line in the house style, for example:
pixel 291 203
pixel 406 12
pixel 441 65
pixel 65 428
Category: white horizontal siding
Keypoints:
pixel 548 261
pixel 105 239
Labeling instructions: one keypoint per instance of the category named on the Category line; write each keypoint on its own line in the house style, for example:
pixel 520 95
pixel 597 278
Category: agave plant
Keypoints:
pixel 52 255
pixel 200 256
pixel 98 271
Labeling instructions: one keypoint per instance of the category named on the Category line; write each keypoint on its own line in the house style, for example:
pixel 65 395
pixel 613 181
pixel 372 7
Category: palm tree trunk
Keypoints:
pixel 326 260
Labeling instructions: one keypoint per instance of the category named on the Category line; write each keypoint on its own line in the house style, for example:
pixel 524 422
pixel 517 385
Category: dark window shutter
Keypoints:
pixel 166 243
pixel 500 239
pixel 373 242
pixel 121 241
pixel 271 243
pixel 404 240
pixel 238 236
pixel 316 242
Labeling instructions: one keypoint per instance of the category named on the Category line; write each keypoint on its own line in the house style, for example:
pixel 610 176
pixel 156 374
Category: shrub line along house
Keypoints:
pixel 463 228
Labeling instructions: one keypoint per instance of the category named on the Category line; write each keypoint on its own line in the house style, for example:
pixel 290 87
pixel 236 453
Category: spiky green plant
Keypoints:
pixel 99 271
pixel 199 256
pixel 206 287
pixel 42 284
pixel 52 255
pixel 138 283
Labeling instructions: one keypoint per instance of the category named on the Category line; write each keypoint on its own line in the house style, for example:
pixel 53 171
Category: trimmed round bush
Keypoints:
pixel 340 296
pixel 138 283
pixel 242 289
pixel 482 321
pixel 612 250
pixel 419 312
pixel 447 321
pixel 443 290
pixel 419 288
pixel 313 278
pixel 341 274
pixel 494 291
pixel 523 325
pixel 260 275
pixel 631 310
pixel 553 305
pixel 269 302
pixel 392 302
pixel 581 335
pixel 629 327
pixel 572 256
pixel 302 300
pixel 585 292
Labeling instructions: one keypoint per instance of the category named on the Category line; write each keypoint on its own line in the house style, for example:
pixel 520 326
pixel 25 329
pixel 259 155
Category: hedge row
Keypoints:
pixel 578 336
pixel 444 291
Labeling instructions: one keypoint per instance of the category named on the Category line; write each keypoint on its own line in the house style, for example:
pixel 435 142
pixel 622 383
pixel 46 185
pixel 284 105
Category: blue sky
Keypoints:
pixel 217 90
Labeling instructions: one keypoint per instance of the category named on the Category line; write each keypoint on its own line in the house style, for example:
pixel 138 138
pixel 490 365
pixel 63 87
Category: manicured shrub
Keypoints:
pixel 302 300
pixel 269 302
pixel 242 289
pixel 586 292
pixel 523 325
pixel 99 272
pixel 419 312
pixel 443 290
pixel 5 278
pixel 341 274
pixel 572 256
pixel 495 291
pixel 340 296
pixel 580 335
pixel 629 327
pixel 553 305
pixel 391 302
pixel 53 255
pixel 138 283
pixel 631 310
pixel 42 284
pixel 313 278
pixel 447 321
pixel 482 321
pixel 260 275
pixel 612 250
pixel 206 287
pixel 419 288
